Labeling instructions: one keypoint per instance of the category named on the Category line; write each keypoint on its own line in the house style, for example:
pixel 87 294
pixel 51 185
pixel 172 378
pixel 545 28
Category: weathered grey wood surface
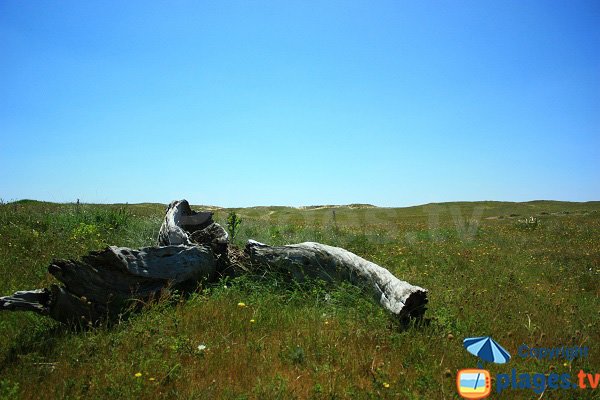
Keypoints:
pixel 184 226
pixel 105 282
pixel 121 272
pixel 26 300
pixel 334 264
pixel 180 220
pixel 193 248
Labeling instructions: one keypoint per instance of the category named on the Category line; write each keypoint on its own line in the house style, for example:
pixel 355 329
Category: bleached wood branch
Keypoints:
pixel 334 264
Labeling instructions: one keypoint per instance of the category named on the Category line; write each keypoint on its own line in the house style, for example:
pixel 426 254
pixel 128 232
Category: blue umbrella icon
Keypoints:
pixel 487 349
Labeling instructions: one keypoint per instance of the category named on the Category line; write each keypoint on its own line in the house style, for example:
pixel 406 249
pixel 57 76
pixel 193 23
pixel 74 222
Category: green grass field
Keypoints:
pixel 488 273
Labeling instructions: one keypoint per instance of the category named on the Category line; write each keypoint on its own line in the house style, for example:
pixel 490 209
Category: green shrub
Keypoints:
pixel 233 222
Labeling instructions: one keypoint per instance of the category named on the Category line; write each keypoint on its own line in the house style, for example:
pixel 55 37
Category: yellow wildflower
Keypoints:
pixel 138 374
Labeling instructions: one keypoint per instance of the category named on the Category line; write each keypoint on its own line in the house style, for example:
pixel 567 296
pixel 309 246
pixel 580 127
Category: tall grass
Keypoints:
pixel 520 285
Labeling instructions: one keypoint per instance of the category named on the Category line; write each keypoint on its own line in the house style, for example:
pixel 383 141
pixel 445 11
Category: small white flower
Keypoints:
pixel 201 347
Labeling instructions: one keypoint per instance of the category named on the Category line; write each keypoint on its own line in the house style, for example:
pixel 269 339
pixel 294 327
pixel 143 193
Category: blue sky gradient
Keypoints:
pixel 300 102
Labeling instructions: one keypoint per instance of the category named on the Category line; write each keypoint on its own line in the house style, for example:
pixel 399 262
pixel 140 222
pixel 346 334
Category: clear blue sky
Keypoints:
pixel 299 102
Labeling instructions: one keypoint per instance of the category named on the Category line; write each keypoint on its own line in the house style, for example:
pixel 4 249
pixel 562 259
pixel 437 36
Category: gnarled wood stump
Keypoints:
pixel 192 248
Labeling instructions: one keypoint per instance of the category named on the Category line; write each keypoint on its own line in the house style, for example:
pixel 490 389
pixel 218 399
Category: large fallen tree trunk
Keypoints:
pixel 192 249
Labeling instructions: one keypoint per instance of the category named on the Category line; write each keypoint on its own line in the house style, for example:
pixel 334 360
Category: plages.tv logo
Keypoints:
pixel 477 383
pixel 473 383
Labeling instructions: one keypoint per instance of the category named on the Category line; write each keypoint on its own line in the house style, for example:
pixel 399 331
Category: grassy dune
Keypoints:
pixel 488 272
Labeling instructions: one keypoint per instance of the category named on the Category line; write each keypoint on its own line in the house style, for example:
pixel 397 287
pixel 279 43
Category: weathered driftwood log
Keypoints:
pixel 193 248
pixel 104 283
pixel 334 264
